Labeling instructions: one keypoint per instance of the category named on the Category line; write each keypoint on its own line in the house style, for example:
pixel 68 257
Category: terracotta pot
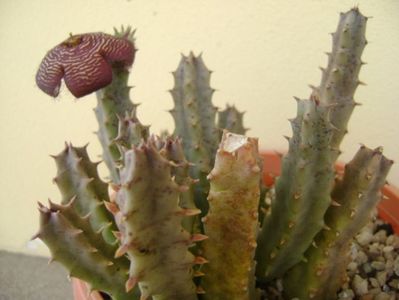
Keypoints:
pixel 81 291
pixel 388 210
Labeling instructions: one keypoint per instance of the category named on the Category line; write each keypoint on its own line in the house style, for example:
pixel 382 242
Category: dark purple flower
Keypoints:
pixel 85 62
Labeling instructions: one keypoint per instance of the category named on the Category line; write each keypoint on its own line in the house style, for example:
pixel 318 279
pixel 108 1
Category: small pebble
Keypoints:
pixel 394 283
pixel 380 236
pixel 396 266
pixel 395 242
pixel 382 277
pixel 352 266
pixel 389 256
pixel 375 291
pixel 382 296
pixel 346 294
pixel 360 285
pixel 361 257
pixel 367 297
pixel 364 237
pixel 390 240
pixel 374 250
pixel 387 249
pixel 374 282
pixel 367 268
pixel 386 288
pixel 378 265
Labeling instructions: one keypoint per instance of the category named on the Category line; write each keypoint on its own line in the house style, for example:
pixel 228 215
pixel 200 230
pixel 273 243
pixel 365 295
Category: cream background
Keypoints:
pixel 262 52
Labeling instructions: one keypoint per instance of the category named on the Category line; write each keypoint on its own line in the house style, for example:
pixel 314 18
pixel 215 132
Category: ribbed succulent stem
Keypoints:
pixel 232 120
pixel 341 77
pixel 302 193
pixel 194 116
pixel 304 187
pixel 77 178
pixel 303 190
pixel 150 229
pixel 232 221
pixel 130 132
pixel 114 103
pixel 175 153
pixel 73 243
pixel 355 196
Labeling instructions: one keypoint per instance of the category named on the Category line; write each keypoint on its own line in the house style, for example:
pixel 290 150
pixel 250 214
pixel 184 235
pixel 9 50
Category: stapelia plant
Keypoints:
pixel 183 215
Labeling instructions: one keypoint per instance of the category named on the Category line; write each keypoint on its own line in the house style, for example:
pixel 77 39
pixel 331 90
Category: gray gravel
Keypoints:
pixel 374 270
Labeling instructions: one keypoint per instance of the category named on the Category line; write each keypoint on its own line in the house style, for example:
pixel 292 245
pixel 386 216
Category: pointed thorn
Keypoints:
pixel 93 250
pixel 297 99
pixel 130 283
pixel 115 187
pixel 111 207
pixel 36 236
pixel 361 82
pixel 183 188
pixel 117 234
pixel 199 260
pixel 198 274
pixel 121 251
pixel 335 203
pixel 197 237
pixel 77 232
pixel 188 212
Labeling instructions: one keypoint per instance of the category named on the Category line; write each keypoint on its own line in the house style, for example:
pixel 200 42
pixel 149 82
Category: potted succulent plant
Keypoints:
pixel 184 215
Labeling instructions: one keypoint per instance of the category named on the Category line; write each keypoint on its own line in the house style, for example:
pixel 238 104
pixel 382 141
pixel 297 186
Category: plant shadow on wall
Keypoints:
pixel 184 215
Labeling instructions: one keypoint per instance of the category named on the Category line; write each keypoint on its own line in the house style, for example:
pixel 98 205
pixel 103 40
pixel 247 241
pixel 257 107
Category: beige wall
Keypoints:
pixel 262 52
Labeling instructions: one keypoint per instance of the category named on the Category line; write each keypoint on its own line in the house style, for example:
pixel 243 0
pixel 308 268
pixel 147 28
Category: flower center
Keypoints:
pixel 72 41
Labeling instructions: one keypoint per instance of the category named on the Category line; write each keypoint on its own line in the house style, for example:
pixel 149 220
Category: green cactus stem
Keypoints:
pixel 113 103
pixel 74 244
pixel 194 116
pixel 77 178
pixel 130 132
pixel 304 187
pixel 150 227
pixel 175 153
pixel 341 77
pixel 232 221
pixel 355 196
pixel 232 120
pixel 302 192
